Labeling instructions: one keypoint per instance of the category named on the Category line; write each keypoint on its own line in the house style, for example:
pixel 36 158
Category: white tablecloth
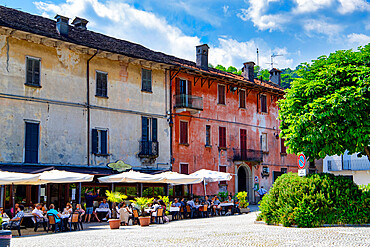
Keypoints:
pixel 226 204
pixel 174 209
pixel 104 210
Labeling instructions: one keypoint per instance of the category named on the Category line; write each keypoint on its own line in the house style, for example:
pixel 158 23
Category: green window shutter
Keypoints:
pixel 154 130
pixel 104 141
pixel 94 141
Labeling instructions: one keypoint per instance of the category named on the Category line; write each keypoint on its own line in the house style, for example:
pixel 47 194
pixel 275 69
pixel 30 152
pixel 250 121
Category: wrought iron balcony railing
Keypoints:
pixel 188 101
pixel 247 155
pixel 149 149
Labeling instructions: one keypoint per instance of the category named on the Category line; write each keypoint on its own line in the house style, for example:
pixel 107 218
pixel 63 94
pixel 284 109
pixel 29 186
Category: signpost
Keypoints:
pixel 301 165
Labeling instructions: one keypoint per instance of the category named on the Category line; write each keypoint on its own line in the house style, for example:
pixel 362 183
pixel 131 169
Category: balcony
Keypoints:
pixel 247 155
pixel 190 103
pixel 148 149
pixel 348 165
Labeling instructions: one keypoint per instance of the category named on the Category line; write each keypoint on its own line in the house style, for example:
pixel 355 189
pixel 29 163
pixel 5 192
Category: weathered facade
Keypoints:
pixel 226 122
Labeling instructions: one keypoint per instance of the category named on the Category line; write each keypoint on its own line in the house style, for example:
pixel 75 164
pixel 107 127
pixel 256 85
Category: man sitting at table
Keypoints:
pixel 16 221
pixel 192 207
pixel 52 211
pixel 175 204
pixel 105 204
pixel 37 212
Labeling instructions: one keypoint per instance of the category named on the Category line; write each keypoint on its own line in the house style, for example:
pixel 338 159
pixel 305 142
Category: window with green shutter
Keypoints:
pixel 99 142
pixel 101 84
pixel 146 80
pixel 33 71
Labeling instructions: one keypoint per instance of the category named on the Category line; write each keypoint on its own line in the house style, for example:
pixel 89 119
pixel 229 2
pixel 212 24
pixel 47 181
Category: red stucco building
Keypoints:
pixel 227 122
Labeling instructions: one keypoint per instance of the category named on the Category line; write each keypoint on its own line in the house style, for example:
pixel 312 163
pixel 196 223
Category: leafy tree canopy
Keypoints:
pixel 327 111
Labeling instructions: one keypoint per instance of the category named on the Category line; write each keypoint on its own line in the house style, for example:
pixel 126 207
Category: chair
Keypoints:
pixel 75 221
pixel 189 213
pixel 52 222
pixel 205 211
pixel 37 223
pixel 16 227
pixel 160 214
pixel 181 213
pixel 134 217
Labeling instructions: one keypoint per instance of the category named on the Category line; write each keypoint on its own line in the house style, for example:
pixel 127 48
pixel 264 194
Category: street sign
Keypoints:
pixel 302 172
pixel 301 161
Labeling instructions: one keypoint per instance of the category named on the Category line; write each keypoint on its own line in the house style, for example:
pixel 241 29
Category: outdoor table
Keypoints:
pixel 27 220
pixel 102 212
pixel 65 218
pixel 224 205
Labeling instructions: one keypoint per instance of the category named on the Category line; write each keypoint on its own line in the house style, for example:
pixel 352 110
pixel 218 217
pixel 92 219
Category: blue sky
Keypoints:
pixel 299 30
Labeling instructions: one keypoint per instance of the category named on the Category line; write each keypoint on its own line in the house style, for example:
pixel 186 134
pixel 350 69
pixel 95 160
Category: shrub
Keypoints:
pixel 315 200
pixel 242 197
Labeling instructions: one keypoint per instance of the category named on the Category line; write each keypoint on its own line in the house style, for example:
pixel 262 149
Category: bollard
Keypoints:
pixel 5 237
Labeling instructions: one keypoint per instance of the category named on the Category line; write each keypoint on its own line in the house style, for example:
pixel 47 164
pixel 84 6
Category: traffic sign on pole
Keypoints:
pixel 301 161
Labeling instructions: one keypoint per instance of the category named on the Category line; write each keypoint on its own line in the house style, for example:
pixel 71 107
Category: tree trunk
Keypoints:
pixel 367 151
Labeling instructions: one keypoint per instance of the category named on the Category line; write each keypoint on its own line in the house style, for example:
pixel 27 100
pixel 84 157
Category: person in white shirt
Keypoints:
pixel 105 204
pixel 39 214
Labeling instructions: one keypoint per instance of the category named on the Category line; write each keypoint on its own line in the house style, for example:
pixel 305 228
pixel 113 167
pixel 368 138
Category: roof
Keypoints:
pixel 39 25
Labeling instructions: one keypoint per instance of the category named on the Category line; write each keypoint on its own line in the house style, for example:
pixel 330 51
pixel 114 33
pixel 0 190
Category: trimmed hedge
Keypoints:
pixel 315 200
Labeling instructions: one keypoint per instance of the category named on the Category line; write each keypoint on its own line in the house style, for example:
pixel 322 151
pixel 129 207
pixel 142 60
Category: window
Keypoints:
pixel 283 147
pixel 101 84
pixel 329 165
pixel 149 129
pixel 33 71
pixel 184 168
pixel 146 80
pixel 222 169
pixel 183 132
pixel 242 98
pixel 221 94
pixel 208 135
pixel 222 137
pixel 31 147
pixel 264 142
pixel 263 103
pixel 184 87
pixel 99 142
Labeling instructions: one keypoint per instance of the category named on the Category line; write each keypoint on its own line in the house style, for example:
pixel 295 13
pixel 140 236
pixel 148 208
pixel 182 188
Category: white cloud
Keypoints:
pixel 225 8
pixel 311 5
pixel 321 27
pixel 124 21
pixel 230 52
pixel 358 39
pixel 257 14
pixel 349 6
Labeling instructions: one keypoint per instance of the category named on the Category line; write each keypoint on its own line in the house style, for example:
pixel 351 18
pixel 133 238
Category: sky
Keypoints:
pixel 296 30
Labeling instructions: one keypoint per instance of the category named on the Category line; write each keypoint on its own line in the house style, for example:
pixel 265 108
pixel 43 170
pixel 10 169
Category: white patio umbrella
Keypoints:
pixel 57 176
pixel 177 178
pixel 211 176
pixel 8 178
pixel 131 177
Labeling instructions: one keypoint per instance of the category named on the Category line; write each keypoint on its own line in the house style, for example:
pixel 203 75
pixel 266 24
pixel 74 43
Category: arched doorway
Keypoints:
pixel 244 180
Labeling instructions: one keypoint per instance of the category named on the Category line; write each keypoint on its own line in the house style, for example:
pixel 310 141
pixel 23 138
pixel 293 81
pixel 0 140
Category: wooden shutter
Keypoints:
pixel 32 143
pixel 177 85
pixel 144 129
pixel 154 130
pixel 208 135
pixel 183 132
pixel 263 103
pixel 36 72
pixel 94 141
pixel 104 84
pixel 104 142
pixel 222 137
pixel 184 168
pixel 258 102
pixel 283 147
pixel 149 79
pixel 242 99
pixel 189 87
pixel 29 72
pixel 221 94
pixel 243 139
pixel 98 84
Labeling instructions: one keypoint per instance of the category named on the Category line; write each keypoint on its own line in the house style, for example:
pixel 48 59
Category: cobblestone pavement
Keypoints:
pixel 218 231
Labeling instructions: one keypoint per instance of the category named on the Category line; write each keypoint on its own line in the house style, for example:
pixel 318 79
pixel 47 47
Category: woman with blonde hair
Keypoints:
pixel 124 214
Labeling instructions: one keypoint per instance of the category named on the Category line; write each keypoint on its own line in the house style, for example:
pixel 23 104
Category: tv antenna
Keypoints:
pixel 272 59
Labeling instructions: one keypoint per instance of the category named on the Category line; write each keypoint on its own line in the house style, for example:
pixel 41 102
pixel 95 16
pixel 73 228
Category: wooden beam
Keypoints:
pixel 202 81
pixel 196 80
pixel 210 83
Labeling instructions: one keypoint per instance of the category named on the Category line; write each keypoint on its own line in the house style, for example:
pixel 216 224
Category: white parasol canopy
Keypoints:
pixel 57 176
pixel 131 177
pixel 177 178
pixel 7 178
pixel 212 176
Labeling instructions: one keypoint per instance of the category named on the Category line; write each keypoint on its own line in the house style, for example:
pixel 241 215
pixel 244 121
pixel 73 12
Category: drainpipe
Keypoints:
pixel 88 104
pixel 171 121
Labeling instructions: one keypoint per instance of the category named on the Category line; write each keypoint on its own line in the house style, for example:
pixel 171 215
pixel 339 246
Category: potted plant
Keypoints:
pixel 141 203
pixel 114 197
pixel 243 203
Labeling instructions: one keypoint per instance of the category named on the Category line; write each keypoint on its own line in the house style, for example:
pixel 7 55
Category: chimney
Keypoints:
pixel 202 56
pixel 80 23
pixel 275 76
pixel 62 25
pixel 248 71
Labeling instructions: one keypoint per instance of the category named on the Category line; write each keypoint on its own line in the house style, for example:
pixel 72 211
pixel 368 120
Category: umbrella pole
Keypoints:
pixel 205 189
pixel 13 188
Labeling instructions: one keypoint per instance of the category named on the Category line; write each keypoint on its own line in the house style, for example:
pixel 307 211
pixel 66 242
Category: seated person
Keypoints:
pixel 68 209
pixel 105 204
pixel 3 215
pixel 230 199
pixel 16 220
pixel 176 204
pixel 215 205
pixel 192 206
pixel 197 201
pixel 16 209
pixel 39 215
pixel 56 214
pixel 124 214
pixel 154 208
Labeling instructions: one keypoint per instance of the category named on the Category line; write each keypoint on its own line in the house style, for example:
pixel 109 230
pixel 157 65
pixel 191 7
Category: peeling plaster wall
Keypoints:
pixel 233 118
pixel 63 127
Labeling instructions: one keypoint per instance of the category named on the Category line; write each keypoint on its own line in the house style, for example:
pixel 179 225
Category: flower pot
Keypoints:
pixel 114 223
pixel 244 210
pixel 144 221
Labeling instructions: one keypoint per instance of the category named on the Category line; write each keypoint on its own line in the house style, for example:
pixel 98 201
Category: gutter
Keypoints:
pixel 88 105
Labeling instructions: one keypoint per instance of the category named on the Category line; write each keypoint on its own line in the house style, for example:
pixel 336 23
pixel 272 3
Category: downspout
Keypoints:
pixel 88 104
pixel 171 120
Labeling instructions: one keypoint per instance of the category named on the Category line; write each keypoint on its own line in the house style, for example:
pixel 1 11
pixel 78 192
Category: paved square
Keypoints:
pixel 218 231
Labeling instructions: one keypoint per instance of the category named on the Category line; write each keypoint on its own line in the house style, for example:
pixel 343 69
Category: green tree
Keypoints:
pixel 327 111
